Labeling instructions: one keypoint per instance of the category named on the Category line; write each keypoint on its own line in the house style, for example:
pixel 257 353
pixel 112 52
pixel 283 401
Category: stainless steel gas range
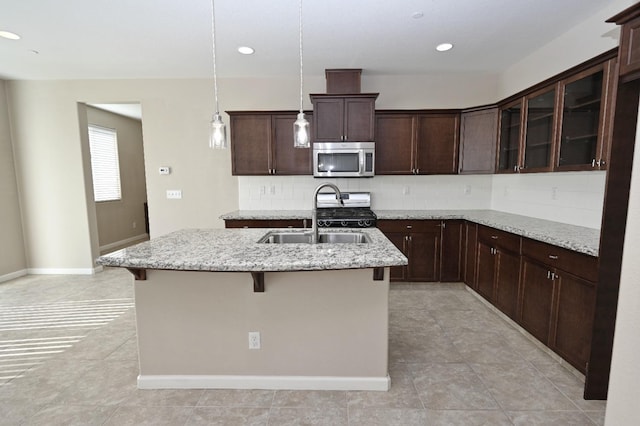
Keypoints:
pixel 355 211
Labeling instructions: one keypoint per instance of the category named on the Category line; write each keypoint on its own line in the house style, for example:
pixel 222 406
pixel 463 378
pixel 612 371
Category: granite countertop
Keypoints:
pixel 577 238
pixel 237 250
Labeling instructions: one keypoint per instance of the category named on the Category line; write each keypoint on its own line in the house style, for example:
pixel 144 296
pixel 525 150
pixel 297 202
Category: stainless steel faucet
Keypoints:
pixel 314 213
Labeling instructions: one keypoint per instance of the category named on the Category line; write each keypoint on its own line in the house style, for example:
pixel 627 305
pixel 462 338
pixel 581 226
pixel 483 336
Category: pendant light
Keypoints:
pixel 301 125
pixel 217 128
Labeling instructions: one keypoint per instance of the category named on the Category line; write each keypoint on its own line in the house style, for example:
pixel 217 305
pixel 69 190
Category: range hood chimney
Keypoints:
pixel 343 81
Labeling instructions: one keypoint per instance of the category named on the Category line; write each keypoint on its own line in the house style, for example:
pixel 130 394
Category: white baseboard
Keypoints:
pixel 64 271
pixel 264 382
pixel 124 242
pixel 13 275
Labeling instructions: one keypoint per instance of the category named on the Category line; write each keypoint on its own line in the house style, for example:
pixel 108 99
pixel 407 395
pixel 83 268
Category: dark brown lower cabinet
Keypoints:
pixel 537 299
pixel 469 249
pixel 558 299
pixel 498 268
pixel 571 336
pixel 451 255
pixel 420 241
pixel 262 223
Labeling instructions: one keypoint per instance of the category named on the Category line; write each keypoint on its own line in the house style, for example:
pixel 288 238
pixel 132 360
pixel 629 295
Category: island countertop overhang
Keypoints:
pixel 237 250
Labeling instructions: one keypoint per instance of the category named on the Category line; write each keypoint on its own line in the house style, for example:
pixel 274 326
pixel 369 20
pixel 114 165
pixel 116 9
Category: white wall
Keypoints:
pixel 580 43
pixel 622 408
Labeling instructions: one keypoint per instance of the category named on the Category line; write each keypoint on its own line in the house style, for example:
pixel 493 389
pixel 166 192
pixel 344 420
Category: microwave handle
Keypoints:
pixel 362 157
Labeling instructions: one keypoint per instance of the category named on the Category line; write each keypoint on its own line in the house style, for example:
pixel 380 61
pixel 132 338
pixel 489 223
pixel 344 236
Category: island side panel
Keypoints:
pixel 312 324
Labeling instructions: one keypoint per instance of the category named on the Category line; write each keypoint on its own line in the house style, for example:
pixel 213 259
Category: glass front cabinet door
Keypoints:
pixel 509 138
pixel 540 130
pixel 584 131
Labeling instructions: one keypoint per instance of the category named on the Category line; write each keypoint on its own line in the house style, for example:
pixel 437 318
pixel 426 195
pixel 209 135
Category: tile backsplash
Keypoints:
pixel 571 197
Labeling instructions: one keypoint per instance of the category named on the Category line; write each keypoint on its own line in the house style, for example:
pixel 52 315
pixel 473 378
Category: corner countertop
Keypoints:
pixel 577 238
pixel 237 250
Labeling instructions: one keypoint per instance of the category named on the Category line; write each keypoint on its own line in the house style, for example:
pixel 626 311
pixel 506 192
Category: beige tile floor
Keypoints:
pixel 453 361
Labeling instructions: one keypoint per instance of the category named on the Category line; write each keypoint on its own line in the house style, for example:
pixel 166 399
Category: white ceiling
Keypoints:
pixel 89 39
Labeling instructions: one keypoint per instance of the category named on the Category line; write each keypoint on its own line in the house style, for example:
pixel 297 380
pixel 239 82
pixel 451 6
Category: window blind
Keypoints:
pixel 105 167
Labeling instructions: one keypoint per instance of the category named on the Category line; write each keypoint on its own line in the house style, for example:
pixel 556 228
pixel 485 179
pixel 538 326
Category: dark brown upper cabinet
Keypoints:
pixel 262 144
pixel 539 131
pixel 585 130
pixel 478 135
pixel 416 142
pixel 509 137
pixel 339 118
pixel 561 125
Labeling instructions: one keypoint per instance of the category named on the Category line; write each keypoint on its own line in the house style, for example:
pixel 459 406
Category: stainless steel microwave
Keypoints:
pixel 343 159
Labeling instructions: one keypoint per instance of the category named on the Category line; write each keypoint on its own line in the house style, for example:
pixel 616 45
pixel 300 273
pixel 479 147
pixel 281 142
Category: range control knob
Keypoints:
pixel 344 223
pixel 361 223
pixel 367 223
pixel 322 223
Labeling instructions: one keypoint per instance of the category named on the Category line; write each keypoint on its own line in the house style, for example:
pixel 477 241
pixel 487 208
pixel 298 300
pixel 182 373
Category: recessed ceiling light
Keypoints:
pixel 417 15
pixel 443 47
pixel 9 35
pixel 246 50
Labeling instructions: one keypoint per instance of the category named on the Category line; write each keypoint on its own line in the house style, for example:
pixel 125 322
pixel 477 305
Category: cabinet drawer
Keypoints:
pixel 579 264
pixel 408 225
pixel 497 238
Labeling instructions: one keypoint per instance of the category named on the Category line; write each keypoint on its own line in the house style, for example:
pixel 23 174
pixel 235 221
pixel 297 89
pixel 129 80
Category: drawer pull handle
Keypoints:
pixel 494 237
pixel 553 256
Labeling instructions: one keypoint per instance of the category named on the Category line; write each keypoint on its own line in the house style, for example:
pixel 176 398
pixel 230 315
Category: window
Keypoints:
pixel 105 167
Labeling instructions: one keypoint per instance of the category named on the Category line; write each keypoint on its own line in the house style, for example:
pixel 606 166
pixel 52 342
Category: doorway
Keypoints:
pixel 119 193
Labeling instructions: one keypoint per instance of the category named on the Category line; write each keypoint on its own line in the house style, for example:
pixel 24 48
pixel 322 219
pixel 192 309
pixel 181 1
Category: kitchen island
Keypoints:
pixel 321 310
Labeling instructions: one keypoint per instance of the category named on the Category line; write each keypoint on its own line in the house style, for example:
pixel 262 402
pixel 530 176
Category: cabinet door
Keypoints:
pixel 328 119
pixel 507 282
pixel 485 270
pixel 451 253
pixel 536 299
pixel 470 247
pixel 250 150
pixel 359 122
pixel 424 255
pixel 394 143
pixel 581 130
pixel 510 137
pixel 437 144
pixel 288 160
pixel 398 273
pixel 478 137
pixel 573 319
pixel 539 139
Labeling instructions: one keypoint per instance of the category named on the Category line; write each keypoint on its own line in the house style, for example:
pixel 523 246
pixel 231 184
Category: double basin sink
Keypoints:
pixel 276 237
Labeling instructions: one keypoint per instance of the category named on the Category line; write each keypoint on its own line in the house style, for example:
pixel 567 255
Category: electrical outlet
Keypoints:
pixel 254 340
pixel 133 225
pixel 263 190
pixel 554 193
pixel 164 170
pixel 174 194
pixel 272 190
pixel 406 190
pixel 467 189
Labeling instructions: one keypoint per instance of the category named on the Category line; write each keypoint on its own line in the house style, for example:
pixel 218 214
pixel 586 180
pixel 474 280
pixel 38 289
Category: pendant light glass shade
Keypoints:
pixel 217 133
pixel 301 132
pixel 301 137
pixel 217 128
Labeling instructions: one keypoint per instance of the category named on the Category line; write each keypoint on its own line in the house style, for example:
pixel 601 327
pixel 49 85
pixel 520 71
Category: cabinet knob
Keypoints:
pixel 548 275
pixel 593 162
pixel 409 226
pixel 553 256
pixel 494 237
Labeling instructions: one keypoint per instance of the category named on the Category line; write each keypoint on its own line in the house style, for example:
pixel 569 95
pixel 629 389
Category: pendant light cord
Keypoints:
pixel 301 78
pixel 213 45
